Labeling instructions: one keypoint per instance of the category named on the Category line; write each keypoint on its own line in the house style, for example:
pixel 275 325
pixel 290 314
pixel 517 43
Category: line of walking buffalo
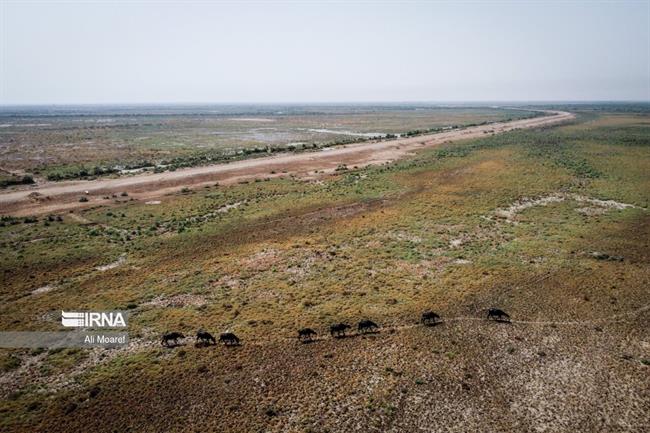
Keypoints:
pixel 306 335
pixel 202 337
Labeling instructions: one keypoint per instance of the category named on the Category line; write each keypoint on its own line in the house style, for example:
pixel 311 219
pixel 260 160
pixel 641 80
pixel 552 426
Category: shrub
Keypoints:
pixel 25 180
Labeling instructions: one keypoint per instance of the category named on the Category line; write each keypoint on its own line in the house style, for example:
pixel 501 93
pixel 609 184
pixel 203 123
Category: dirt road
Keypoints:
pixel 62 196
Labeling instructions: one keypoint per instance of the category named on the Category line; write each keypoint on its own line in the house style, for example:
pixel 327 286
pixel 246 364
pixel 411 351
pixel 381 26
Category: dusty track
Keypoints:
pixel 60 196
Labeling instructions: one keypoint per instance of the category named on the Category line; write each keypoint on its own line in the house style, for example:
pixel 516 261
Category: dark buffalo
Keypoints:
pixel 429 318
pixel 338 330
pixel 171 336
pixel 367 326
pixel 205 337
pixel 229 339
pixel 498 315
pixel 306 335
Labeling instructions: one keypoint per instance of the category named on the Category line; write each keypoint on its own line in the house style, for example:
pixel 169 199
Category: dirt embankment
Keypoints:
pixel 63 196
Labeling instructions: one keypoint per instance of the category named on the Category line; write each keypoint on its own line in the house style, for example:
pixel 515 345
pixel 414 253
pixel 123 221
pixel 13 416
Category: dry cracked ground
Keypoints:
pixel 551 225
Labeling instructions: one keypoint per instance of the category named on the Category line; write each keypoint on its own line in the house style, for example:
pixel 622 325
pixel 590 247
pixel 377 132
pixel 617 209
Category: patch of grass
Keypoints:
pixel 8 362
pixel 384 242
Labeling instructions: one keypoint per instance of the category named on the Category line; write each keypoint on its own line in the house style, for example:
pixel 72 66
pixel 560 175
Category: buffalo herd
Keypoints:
pixel 307 335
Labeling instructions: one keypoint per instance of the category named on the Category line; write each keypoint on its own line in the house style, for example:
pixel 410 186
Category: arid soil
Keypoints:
pixel 550 225
pixel 53 197
pixel 467 374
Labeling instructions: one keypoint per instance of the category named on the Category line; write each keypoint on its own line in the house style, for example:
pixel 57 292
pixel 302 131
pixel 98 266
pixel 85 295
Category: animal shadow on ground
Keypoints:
pixel 497 315
pixel 367 327
pixel 429 318
pixel 204 339
pixel 307 335
pixel 229 339
pixel 431 324
pixel 199 344
pixel 339 330
pixel 173 345
pixel 171 339
pixel 342 336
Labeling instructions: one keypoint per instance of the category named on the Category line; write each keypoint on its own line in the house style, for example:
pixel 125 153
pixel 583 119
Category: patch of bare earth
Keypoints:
pixel 30 372
pixel 596 207
pixel 119 262
pixel 463 375
pixel 43 289
pixel 177 301
pixel 150 186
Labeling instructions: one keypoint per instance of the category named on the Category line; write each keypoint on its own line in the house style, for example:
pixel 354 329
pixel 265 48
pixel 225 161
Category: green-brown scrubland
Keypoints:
pixel 523 221
pixel 65 144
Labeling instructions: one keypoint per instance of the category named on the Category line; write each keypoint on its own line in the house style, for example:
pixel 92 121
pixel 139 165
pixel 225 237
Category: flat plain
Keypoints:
pixel 549 224
pixel 82 142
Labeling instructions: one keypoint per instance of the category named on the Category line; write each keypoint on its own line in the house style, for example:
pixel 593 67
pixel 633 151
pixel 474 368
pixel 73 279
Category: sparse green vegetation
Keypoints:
pixel 168 142
pixel 10 180
pixel 385 242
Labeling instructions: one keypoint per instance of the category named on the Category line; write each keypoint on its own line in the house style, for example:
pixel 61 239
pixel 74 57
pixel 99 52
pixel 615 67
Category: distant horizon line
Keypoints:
pixel 495 101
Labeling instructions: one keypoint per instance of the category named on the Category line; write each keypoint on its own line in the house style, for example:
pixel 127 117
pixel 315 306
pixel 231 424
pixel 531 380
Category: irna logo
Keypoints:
pixel 85 319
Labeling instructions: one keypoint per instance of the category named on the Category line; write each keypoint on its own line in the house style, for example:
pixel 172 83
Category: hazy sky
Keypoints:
pixel 112 52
